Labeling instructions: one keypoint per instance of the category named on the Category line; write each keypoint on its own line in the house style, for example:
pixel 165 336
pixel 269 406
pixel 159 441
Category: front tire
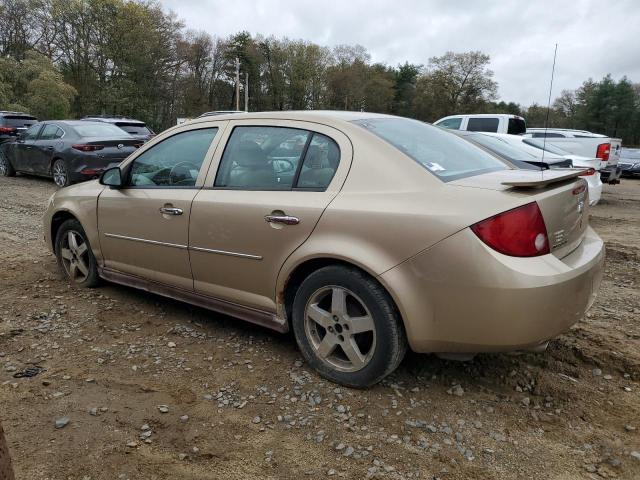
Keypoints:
pixel 60 173
pixel 75 256
pixel 347 326
pixel 6 169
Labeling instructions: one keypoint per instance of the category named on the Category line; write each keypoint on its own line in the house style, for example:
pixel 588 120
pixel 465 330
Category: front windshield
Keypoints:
pixel 535 142
pixel 437 150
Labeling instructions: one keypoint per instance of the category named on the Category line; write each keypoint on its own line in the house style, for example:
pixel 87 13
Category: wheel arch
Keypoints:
pixel 296 275
pixel 57 220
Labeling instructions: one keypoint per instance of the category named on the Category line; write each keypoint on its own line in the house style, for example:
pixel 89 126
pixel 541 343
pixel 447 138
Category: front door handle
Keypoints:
pixel 283 219
pixel 170 211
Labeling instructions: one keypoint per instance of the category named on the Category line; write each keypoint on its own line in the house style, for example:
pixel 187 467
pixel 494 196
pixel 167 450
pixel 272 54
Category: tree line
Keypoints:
pixel 69 58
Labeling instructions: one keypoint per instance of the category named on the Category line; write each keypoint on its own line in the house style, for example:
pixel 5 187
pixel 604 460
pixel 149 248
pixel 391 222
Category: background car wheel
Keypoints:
pixel 6 169
pixel 60 173
pixel 75 256
pixel 347 326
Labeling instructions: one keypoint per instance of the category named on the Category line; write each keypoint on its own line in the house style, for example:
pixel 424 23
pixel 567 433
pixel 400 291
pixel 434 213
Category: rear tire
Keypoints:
pixel 6 169
pixel 60 173
pixel 347 326
pixel 75 256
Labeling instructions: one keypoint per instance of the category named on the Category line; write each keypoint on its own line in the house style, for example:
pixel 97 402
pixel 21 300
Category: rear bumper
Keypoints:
pixel 461 296
pixel 610 174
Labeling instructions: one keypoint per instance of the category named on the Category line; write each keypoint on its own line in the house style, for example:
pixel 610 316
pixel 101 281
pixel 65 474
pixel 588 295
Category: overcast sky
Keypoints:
pixel 594 37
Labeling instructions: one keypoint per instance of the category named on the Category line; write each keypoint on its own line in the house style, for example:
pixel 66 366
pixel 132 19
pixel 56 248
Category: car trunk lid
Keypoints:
pixel 113 148
pixel 561 194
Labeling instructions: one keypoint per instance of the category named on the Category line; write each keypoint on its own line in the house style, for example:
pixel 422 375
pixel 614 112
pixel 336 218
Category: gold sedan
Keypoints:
pixel 366 234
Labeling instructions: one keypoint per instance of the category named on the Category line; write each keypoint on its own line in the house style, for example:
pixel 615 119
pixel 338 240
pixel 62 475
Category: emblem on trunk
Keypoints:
pixel 120 146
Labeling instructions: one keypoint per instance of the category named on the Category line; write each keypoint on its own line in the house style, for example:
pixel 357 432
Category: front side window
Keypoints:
pixel 483 125
pixel 32 132
pixel 452 123
pixel 442 153
pixel 174 162
pixel 262 158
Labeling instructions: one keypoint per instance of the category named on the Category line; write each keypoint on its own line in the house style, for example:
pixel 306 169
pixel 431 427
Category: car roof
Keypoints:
pixel 482 115
pixel 99 118
pixel 73 123
pixel 320 116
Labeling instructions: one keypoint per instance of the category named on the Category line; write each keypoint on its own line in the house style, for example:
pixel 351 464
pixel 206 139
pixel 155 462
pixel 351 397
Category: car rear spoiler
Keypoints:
pixel 545 178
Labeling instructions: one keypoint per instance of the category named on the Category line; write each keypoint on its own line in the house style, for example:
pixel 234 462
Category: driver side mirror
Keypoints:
pixel 112 177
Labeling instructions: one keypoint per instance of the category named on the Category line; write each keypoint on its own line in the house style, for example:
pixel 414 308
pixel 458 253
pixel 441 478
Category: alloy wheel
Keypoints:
pixel 340 329
pixel 59 174
pixel 75 256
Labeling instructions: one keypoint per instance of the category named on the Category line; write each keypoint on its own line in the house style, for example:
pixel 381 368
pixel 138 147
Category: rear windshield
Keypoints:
pixel 517 126
pixel 545 146
pixel 103 130
pixel 502 148
pixel 441 152
pixel 134 128
pixel 18 120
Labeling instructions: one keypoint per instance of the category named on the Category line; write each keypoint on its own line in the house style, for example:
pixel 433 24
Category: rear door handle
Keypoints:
pixel 170 211
pixel 283 219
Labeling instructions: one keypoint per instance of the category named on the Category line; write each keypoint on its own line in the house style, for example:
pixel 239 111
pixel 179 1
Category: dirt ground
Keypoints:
pixel 155 389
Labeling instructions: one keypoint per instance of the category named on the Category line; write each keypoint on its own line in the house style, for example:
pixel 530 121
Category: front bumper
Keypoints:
pixel 461 296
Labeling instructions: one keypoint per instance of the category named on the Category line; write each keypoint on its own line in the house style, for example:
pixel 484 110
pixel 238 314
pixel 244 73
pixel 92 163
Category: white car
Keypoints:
pixel 553 156
pixel 582 142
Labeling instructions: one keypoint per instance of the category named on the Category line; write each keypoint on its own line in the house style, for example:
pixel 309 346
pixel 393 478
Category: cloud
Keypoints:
pixel 594 37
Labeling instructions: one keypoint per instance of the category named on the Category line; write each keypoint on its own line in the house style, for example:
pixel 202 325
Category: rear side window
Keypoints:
pixel 320 163
pixel 517 126
pixel 452 123
pixel 483 124
pixel 442 153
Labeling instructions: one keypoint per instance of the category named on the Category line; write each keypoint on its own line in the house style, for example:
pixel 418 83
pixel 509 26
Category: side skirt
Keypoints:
pixel 248 314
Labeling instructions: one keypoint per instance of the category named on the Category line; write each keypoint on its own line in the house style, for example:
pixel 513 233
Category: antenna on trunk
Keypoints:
pixel 546 122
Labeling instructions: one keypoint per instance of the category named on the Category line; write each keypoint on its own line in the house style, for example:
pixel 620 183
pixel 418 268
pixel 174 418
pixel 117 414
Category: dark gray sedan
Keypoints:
pixel 69 151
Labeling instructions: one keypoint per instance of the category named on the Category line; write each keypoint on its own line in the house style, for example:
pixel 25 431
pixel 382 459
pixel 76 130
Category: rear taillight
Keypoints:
pixel 603 151
pixel 7 129
pixel 520 232
pixel 87 148
pixel 588 172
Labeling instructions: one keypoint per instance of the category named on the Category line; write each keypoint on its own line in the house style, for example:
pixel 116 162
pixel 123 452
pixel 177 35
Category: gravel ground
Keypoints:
pixel 136 386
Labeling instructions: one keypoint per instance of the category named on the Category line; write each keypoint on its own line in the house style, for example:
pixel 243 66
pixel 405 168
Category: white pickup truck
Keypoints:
pixel 587 144
pixel 484 122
